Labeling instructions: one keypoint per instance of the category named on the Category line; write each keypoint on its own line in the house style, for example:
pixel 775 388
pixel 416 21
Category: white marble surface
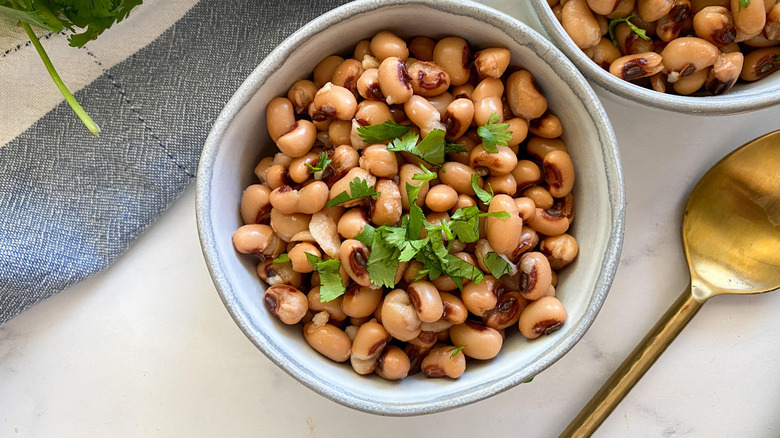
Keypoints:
pixel 146 348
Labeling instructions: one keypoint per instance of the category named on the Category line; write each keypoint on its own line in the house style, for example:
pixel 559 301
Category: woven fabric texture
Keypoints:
pixel 71 203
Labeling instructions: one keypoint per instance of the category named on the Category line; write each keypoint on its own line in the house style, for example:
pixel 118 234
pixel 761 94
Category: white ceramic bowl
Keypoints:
pixel 239 139
pixel 743 97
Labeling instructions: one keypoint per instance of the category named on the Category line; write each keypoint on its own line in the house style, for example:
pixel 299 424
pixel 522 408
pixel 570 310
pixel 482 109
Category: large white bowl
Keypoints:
pixel 239 139
pixel 743 97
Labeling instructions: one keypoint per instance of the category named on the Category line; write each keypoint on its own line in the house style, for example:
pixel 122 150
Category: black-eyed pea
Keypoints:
pixel 428 78
pixel 298 140
pixel 255 239
pixel 352 223
pixel 455 311
pixel 540 196
pixel 406 176
pixel 604 53
pixel 444 362
pixel 549 223
pixel 503 233
pixel 486 107
pixel 558 173
pixel 324 70
pixel 262 168
pixel 541 317
pixel 393 364
pixel 286 303
pixel 354 259
pixel 380 162
pixel 653 10
pixel 288 225
pixel 386 44
pixel 454 56
pixel 550 292
pixel 399 316
pixel 301 94
pixel 426 339
pixel 503 184
pixel 423 114
pixel 750 18
pixel 333 307
pixel 441 102
pixel 320 120
pixel 339 132
pixel 343 159
pixel 488 87
pixel 298 171
pixel 416 355
pixel 507 311
pixel 670 25
pixel 387 208
pixel 368 85
pixel 772 27
pixel 659 82
pixel 256 204
pixel 361 301
pixel 343 185
pixel 603 7
pixel 579 22
pixel 334 102
pixel 327 339
pixel 685 56
pixel 313 197
pixel 760 63
pixel 716 25
pixel 298 258
pixel 371 112
pixel 457 176
pixel 492 62
pixel 524 98
pixel 279 273
pixel 362 49
pixel 370 339
pixel 465 91
pixel 724 73
pixel 394 81
pixel 692 83
pixel 557 10
pixel 546 126
pixel 623 9
pixel 346 75
pixel 479 298
pixel 284 199
pixel 528 241
pixel 279 116
pixel 535 275
pixel 458 117
pixel 479 341
pixel 518 127
pixel 426 301
pixel 463 201
pixel 441 198
pixel 526 173
pixel 559 250
pixel 499 163
pixel 539 147
pixel 526 208
pixel 760 41
pixel 412 272
pixel 636 66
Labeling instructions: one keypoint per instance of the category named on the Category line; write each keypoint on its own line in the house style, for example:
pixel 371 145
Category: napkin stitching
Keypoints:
pixel 29 43
pixel 138 114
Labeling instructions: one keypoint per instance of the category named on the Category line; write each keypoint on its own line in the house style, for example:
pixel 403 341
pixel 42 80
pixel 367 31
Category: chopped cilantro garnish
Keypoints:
pixel 641 32
pixel 496 264
pixel 331 285
pixel 430 149
pixel 283 258
pixel 387 131
pixel 483 195
pixel 427 175
pixel 743 4
pixel 383 260
pixel 366 236
pixel 358 188
pixel 322 163
pixel 456 350
pixel 454 148
pixel 494 133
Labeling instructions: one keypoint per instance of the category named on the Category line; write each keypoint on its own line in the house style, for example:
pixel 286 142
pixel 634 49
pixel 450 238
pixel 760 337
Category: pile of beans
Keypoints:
pixel 690 45
pixel 421 324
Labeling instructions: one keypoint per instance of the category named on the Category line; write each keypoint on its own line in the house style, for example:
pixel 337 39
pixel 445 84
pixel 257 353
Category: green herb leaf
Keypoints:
pixel 430 149
pixel 33 18
pixel 331 285
pixel 358 188
pixel 404 143
pixel 387 131
pixel 641 32
pixel 529 380
pixel 496 264
pixel 454 148
pixel 494 133
pixel 322 163
pixel 283 258
pixel 416 215
pixel 383 260
pixel 366 236
pixel 456 350
pixel 499 214
pixel 743 4
pixel 411 248
pixel 483 195
pixel 427 175
pixel 465 224
pixel 777 58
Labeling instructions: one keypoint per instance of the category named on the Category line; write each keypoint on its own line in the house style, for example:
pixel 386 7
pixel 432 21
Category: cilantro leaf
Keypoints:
pixel 387 131
pixel 383 260
pixel 427 175
pixel 366 236
pixel 404 143
pixel 494 133
pixel 641 32
pixel 322 163
pixel 454 148
pixel 743 4
pixel 331 284
pixel 529 380
pixel 499 214
pixel 411 249
pixel 358 188
pixel 777 58
pixel 465 224
pixel 416 215
pixel 283 258
pixel 430 149
pixel 496 264
pixel 483 195
pixel 456 350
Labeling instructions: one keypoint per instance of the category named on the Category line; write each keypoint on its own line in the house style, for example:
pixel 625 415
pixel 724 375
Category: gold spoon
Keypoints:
pixel 731 237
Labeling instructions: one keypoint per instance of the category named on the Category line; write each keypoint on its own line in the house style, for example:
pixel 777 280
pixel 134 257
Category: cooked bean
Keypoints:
pixel 603 7
pixel 346 75
pixel 343 185
pixel 284 199
pixel 298 172
pixel 486 107
pixel 361 301
pixel 444 362
pixel 333 307
pixel 279 273
pixel 535 275
pixel 716 25
pixel 578 21
pixel 504 184
pixel 256 239
pixel 399 316
pixel 507 311
pixel 393 364
pixel 441 198
pixel 526 173
pixel 603 53
pixel 368 85
pixel 394 81
pixel 479 341
pixel 323 72
pixel 334 102
pixel 288 225
pixel 457 119
pixel 749 19
pixel 255 204
pixel 499 163
pixel 670 25
pixel 406 175
pixel 523 97
pixel 539 147
pixel 492 62
pixel 301 94
pixel 298 140
pixel 339 132
pixel 559 250
pixel 548 222
pixel 479 298
pixel 362 49
pixel 453 55
pixel 698 5
pixel 279 116
pixel 379 161
pixel 354 259
pixel 547 126
pixel 352 223
pixel 426 301
pixel 386 44
pixel 370 340
pixel 298 257
pixel 386 209
pixel 464 91
pixel 685 56
pixel 690 84
pixel 540 196
pixel 629 42
pixel 262 168
pixel 528 240
pixel 428 78
pixel 640 65
pixel 518 126
pixel 724 73
pixel 343 159
pixel 328 340
pixel 652 10
pixel 760 63
pixel 559 173
pixel 441 102
pixel 286 303
pixel 772 27
pixel 542 317
pixel 423 114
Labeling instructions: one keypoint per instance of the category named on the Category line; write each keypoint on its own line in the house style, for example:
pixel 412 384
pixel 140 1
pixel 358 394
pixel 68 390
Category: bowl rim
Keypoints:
pixel 515 30
pixel 702 105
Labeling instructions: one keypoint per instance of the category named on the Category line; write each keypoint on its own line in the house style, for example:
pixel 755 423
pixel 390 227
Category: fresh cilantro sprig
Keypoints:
pixel 358 188
pixel 743 4
pixel 331 284
pixel 456 350
pixel 283 258
pixel 464 223
pixel 322 163
pixel 430 149
pixel 454 148
pixel 91 18
pixel 494 133
pixel 482 194
pixel 427 175
pixel 641 32
pixel 386 131
pixel 496 264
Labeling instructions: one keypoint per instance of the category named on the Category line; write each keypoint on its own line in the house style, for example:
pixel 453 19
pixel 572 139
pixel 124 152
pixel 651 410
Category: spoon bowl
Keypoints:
pixel 731 237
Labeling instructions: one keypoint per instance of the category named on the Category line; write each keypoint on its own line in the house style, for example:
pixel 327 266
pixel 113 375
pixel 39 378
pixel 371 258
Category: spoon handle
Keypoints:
pixel 634 367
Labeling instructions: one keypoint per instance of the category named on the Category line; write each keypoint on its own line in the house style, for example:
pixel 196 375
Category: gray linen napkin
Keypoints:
pixel 70 203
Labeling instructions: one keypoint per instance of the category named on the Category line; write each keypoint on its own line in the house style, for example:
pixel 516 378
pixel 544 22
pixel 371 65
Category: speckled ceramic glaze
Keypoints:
pixel 239 139
pixel 743 97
